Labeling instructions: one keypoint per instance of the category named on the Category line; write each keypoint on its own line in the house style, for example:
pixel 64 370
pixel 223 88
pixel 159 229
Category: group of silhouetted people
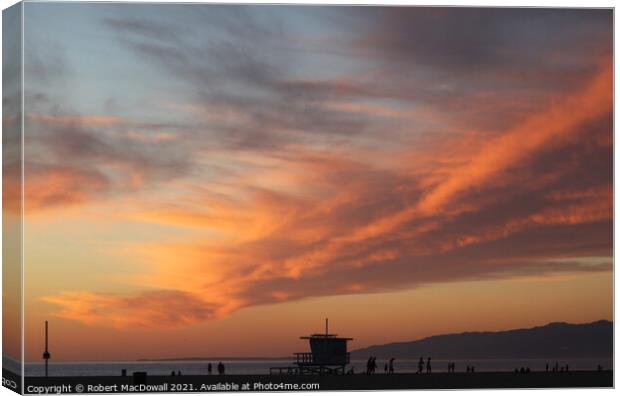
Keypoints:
pixel 557 368
pixel 421 366
pixel 221 369
pixel 388 368
pixel 371 366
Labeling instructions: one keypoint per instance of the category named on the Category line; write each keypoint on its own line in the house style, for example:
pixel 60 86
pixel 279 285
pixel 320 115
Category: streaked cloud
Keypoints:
pixel 80 120
pixel 364 150
pixel 165 308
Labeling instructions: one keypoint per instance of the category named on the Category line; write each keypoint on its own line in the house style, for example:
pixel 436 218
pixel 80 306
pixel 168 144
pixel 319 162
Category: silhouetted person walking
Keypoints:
pixel 220 368
pixel 428 365
pixel 421 366
pixel 547 367
pixel 209 368
pixel 385 368
pixel 392 366
pixel 373 366
pixel 369 366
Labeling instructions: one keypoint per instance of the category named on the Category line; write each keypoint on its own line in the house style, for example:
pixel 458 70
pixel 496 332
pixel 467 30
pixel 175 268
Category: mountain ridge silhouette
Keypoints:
pixel 553 340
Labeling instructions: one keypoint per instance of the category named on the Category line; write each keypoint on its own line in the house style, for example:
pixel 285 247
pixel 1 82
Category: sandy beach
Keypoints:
pixel 591 379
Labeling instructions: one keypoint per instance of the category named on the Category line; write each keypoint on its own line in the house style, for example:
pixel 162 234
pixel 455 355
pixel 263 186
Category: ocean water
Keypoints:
pixel 262 366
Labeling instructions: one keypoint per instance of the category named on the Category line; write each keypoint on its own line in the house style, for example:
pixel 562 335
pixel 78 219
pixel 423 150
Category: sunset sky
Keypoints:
pixel 216 180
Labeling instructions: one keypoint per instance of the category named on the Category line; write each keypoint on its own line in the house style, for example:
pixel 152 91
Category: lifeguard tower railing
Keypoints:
pixel 307 358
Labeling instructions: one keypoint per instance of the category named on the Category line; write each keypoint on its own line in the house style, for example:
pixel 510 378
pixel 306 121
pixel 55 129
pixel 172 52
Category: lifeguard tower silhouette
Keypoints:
pixel 328 355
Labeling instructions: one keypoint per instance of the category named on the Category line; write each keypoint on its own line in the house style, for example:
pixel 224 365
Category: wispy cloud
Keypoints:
pixel 73 120
pixel 442 145
pixel 163 308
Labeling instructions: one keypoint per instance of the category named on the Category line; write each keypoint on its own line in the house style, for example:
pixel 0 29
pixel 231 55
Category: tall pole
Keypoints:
pixel 326 326
pixel 46 354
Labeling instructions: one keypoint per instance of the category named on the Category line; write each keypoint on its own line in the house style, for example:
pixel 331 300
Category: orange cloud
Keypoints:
pixel 559 122
pixel 339 221
pixel 47 187
pixel 162 308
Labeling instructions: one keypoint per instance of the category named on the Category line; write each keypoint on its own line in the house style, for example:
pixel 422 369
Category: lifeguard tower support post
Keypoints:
pixel 328 355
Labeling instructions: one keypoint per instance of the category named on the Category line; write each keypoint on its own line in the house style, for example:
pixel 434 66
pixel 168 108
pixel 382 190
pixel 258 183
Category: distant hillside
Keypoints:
pixel 553 340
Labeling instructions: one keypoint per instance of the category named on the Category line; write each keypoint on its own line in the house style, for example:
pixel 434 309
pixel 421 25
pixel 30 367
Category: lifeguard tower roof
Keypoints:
pixel 325 335
pixel 330 336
